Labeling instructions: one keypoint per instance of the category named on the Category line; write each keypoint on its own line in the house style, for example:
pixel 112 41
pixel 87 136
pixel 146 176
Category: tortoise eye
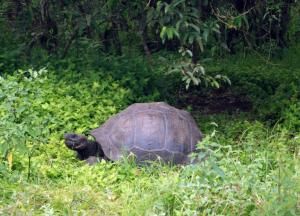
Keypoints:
pixel 82 139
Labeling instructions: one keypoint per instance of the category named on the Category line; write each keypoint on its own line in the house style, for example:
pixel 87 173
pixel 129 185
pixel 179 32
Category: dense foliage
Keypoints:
pixel 67 66
pixel 34 30
pixel 253 167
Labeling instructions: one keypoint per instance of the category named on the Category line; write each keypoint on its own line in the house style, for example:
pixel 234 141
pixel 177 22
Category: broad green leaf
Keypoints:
pixel 205 35
pixel 169 32
pixel 177 2
pixel 199 41
pixel 196 28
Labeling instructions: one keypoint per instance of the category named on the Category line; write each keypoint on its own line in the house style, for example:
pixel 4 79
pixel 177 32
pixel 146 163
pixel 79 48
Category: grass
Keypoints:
pixel 253 166
pixel 251 171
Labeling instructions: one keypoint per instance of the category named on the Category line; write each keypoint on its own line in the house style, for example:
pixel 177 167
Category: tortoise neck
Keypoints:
pixel 93 149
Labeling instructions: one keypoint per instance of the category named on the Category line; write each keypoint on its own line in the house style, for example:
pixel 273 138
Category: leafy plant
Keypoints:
pixel 181 19
pixel 21 127
pixel 194 73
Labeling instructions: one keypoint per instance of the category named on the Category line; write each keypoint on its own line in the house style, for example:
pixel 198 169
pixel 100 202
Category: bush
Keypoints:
pixel 37 104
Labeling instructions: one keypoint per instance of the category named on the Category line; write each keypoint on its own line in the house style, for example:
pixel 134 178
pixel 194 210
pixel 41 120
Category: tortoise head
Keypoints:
pixel 76 141
pixel 86 149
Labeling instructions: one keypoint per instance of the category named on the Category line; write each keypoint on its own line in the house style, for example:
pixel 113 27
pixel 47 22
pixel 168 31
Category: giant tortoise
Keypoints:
pixel 148 130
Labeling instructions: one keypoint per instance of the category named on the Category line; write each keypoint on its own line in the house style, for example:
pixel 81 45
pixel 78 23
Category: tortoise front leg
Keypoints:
pixel 92 160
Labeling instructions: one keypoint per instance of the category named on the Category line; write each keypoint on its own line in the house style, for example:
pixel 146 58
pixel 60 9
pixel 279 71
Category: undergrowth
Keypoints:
pixel 251 164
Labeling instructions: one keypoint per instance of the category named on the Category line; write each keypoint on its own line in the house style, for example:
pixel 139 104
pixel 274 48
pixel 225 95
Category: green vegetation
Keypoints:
pixel 68 66
pixel 253 167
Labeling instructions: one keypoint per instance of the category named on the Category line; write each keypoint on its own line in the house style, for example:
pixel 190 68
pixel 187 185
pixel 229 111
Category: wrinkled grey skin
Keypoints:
pixel 87 150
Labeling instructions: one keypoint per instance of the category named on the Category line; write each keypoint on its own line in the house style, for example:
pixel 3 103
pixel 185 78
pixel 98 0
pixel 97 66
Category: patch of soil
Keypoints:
pixel 215 101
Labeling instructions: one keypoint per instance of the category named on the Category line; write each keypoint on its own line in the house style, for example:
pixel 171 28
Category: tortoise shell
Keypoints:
pixel 149 131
